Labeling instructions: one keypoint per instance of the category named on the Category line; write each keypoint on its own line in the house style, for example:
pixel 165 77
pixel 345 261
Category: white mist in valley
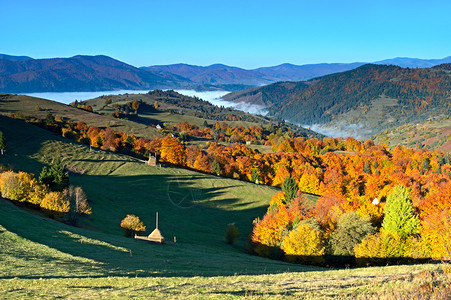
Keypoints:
pixel 357 131
pixel 214 97
pixel 69 97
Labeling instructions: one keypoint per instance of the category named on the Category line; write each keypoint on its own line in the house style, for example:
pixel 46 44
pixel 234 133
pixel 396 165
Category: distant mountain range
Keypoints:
pixel 406 62
pixel 78 73
pixel 359 102
pixel 23 74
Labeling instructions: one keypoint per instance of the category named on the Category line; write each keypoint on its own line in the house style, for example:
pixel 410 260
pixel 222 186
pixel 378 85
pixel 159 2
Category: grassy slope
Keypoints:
pixel 39 255
pixel 163 116
pixel 434 134
pixel 27 105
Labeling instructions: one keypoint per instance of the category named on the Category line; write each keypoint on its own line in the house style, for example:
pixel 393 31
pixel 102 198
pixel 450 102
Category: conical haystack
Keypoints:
pixel 156 236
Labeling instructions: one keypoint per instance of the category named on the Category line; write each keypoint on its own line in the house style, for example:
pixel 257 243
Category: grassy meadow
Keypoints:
pixel 45 258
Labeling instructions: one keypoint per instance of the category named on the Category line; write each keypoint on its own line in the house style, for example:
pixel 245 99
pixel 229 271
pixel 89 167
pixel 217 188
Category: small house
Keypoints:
pixel 153 160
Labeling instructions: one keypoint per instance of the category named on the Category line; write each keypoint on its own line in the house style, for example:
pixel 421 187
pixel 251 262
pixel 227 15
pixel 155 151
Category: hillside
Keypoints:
pixel 40 108
pixel 372 97
pixel 41 257
pixel 432 134
pixel 175 108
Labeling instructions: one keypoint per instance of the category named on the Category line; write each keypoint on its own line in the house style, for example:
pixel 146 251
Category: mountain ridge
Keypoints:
pixel 374 97
pixel 23 74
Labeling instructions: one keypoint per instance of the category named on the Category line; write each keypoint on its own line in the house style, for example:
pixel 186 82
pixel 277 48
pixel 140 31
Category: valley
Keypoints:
pixel 219 166
pixel 46 257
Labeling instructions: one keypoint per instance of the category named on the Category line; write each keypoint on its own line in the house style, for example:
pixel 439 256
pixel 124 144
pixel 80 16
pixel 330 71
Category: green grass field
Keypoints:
pixel 44 258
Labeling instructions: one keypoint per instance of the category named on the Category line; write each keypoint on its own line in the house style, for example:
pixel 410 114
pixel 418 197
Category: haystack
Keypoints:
pixel 155 236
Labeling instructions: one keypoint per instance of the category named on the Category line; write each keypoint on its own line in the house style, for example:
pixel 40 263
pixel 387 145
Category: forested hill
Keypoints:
pixel 375 96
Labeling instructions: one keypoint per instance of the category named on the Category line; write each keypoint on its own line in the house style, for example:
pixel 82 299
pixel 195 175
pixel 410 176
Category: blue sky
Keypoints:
pixel 247 34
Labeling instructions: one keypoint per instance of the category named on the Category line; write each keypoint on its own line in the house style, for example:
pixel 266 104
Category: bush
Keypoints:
pixel 384 247
pixel 351 229
pixel 17 186
pixel 132 224
pixel 304 244
pixel 55 204
pixel 231 234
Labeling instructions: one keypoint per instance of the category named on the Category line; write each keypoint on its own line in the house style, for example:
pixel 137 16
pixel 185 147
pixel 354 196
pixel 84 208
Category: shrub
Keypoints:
pixel 351 229
pixel 383 247
pixel 132 224
pixel 231 233
pixel 55 204
pixel 17 186
pixel 304 244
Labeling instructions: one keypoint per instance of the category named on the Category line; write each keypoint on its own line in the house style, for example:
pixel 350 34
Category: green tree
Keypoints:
pixel 399 214
pixel 254 175
pixel 231 233
pixel 426 164
pixel 45 177
pixel 351 229
pixel 366 168
pixel 56 178
pixel 290 187
pixel 50 119
pixel 216 167
pixel 2 142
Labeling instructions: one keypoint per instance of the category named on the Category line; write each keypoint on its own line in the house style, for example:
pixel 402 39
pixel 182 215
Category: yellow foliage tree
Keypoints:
pixel 55 202
pixel 17 186
pixel 269 231
pixel 172 151
pixel 383 245
pixel 277 201
pixel 304 243
pixel 132 224
pixel 435 239
pixel 309 183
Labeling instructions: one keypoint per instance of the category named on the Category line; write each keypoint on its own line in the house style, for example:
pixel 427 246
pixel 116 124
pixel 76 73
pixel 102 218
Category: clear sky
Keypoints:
pixel 242 33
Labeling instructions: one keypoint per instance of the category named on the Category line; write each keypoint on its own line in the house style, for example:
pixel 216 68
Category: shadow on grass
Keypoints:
pixel 186 211
pixel 334 261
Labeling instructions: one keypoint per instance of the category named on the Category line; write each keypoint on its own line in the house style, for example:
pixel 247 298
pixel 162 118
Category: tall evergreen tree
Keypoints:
pixel 254 175
pixel 2 143
pixel 290 187
pixel 216 168
pixel 399 214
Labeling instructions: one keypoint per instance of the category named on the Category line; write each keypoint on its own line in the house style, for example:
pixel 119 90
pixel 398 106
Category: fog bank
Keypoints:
pixel 357 131
pixel 214 97
pixel 69 97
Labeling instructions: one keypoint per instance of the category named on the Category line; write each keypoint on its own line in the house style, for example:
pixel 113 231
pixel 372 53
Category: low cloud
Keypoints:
pixel 215 98
pixel 357 131
pixel 69 97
